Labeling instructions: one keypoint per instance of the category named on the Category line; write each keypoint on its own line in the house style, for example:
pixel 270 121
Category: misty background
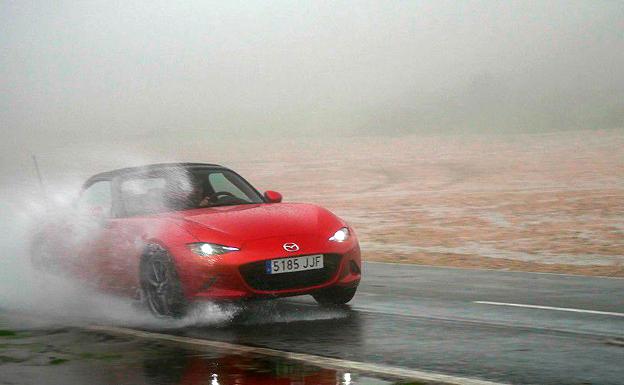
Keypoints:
pixel 103 84
pixel 413 120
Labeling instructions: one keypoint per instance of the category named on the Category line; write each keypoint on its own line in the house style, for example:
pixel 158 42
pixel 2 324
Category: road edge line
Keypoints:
pixel 553 308
pixel 327 362
pixel 494 270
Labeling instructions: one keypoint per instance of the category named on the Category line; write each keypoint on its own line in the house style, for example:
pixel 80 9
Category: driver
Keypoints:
pixel 203 202
pixel 192 193
pixel 209 199
pixel 200 195
pixel 186 194
pixel 197 197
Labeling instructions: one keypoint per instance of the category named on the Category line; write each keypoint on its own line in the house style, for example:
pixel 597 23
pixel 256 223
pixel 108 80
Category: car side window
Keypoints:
pixel 143 195
pixel 219 182
pixel 97 199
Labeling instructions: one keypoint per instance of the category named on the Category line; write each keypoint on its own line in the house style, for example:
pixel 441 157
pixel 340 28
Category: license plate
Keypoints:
pixel 289 265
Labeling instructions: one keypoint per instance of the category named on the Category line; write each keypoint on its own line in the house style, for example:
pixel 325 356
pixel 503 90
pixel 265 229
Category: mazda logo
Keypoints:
pixel 291 247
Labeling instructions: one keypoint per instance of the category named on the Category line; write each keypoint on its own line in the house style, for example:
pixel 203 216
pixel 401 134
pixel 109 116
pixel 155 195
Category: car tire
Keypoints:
pixel 161 288
pixel 335 295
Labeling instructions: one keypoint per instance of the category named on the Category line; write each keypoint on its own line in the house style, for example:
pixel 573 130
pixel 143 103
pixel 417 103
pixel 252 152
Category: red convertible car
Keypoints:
pixel 172 234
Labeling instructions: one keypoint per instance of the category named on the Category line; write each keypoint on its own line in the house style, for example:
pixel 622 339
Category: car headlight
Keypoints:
pixel 340 235
pixel 208 249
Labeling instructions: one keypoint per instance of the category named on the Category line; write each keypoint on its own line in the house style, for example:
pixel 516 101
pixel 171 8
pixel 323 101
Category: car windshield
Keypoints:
pixel 183 189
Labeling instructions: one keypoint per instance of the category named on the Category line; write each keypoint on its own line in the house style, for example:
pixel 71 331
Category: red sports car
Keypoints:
pixel 176 233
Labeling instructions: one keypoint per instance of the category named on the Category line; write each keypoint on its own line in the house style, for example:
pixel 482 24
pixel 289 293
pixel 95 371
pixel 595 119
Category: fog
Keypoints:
pixel 91 86
pixel 105 74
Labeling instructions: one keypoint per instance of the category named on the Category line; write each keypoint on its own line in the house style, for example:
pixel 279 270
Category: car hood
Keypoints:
pixel 250 222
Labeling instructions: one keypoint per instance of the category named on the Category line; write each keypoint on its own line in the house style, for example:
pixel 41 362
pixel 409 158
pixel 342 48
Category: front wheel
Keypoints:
pixel 335 295
pixel 162 291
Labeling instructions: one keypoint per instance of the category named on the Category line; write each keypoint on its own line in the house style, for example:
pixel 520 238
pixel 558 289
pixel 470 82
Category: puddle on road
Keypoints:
pixel 71 356
pixel 192 368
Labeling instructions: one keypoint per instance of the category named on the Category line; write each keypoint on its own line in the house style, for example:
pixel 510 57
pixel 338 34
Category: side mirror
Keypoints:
pixel 273 196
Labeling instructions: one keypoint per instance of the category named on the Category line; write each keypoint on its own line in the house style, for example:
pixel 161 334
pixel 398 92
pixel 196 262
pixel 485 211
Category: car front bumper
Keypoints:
pixel 240 275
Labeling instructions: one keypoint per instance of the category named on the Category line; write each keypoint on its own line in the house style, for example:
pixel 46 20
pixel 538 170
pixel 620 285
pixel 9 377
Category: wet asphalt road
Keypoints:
pixel 426 318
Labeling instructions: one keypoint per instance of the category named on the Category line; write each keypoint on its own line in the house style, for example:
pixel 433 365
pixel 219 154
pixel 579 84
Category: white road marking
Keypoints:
pixel 492 270
pixel 409 314
pixel 552 308
pixel 333 363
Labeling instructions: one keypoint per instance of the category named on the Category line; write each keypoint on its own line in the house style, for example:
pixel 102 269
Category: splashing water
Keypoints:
pixel 60 299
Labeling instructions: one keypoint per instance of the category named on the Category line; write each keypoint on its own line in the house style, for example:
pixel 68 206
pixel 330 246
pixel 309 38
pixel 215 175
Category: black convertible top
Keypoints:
pixel 148 168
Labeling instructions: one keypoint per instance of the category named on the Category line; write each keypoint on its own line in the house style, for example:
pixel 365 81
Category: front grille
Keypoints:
pixel 255 275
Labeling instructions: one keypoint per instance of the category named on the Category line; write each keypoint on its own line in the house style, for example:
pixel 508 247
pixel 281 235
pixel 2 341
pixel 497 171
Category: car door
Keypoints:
pixel 123 255
pixel 135 198
pixel 90 234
